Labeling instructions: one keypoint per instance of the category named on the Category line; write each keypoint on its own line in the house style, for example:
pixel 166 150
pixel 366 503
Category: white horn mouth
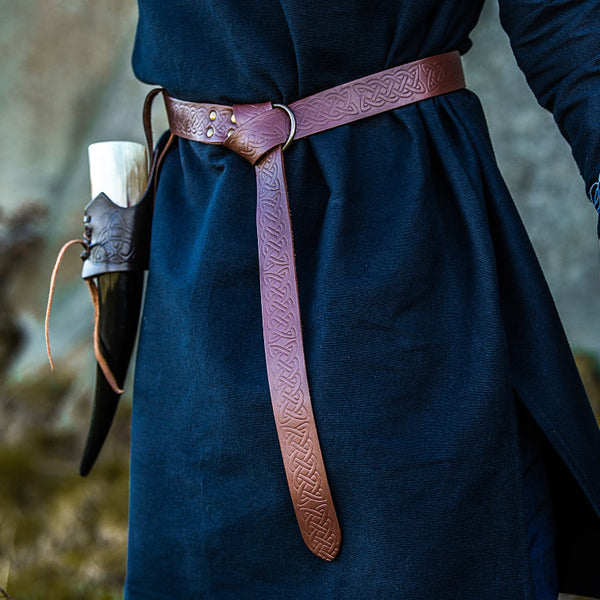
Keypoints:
pixel 120 170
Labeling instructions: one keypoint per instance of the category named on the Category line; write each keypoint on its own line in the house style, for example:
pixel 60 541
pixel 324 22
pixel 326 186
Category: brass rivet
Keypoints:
pixel 213 115
pixel 232 118
pixel 230 131
pixel 209 132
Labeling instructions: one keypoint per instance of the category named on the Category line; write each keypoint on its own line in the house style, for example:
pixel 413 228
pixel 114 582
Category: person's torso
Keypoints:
pixel 281 50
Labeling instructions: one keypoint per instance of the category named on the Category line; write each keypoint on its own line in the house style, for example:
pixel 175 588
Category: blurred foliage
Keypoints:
pixel 62 537
pixel 590 375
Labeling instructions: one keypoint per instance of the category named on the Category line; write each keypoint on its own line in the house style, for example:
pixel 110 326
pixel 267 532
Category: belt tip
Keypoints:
pixel 326 550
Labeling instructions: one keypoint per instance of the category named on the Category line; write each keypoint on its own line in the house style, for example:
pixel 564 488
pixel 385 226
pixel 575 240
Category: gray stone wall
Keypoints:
pixel 541 174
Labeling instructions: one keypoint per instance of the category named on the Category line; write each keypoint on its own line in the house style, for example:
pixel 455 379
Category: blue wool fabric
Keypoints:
pixel 539 511
pixel 462 453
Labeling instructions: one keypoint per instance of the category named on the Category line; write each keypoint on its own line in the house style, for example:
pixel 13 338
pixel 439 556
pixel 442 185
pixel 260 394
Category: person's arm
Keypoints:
pixel 557 46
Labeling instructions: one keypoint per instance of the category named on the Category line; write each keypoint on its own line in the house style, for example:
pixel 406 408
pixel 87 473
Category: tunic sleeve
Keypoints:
pixel 557 46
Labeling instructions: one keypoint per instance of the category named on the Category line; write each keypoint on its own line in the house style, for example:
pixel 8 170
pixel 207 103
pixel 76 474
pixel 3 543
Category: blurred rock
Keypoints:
pixel 58 60
pixel 543 178
pixel 20 234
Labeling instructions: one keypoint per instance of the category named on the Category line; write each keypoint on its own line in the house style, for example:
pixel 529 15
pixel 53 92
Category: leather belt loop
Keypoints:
pixel 147 120
pixel 259 133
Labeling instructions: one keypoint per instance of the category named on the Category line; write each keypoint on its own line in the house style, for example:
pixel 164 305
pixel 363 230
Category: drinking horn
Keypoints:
pixel 117 225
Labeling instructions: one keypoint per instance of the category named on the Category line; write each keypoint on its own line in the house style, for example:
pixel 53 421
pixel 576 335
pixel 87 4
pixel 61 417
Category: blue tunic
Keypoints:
pixel 449 408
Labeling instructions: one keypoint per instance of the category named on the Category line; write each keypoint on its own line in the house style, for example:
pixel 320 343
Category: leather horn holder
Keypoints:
pixel 118 237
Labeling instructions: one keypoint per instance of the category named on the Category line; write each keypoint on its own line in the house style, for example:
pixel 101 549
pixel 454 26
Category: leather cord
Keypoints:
pixel 110 378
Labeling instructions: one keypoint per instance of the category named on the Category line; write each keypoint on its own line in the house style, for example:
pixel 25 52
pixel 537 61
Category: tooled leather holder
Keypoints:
pixel 260 133
pixel 118 237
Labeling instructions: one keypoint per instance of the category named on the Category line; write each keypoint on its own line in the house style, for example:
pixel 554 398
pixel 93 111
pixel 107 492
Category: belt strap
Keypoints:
pixel 259 132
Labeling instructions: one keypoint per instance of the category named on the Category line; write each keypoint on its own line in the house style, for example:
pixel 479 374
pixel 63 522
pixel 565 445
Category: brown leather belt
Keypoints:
pixel 260 133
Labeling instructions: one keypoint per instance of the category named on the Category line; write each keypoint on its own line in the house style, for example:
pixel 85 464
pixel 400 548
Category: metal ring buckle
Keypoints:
pixel 290 114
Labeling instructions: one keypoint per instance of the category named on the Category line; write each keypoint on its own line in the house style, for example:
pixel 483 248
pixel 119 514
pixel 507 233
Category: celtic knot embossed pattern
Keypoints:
pixel 115 244
pixel 332 106
pixel 382 90
pixel 375 94
pixel 252 140
pixel 208 123
pixel 262 129
pixel 285 362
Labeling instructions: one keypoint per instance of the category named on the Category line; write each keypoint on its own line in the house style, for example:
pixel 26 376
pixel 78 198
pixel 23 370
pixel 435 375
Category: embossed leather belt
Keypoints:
pixel 260 133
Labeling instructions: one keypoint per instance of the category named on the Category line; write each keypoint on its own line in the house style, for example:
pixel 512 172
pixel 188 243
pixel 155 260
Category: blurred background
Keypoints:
pixel 65 82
